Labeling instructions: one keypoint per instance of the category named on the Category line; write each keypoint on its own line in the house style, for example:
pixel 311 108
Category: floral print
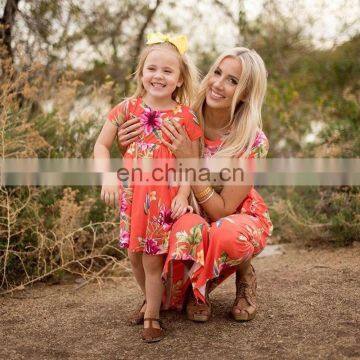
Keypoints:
pixel 150 120
pixel 214 249
pixel 145 207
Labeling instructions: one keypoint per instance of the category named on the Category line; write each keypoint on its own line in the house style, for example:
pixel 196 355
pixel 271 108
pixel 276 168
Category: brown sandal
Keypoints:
pixel 152 334
pixel 137 318
pixel 199 312
pixel 245 293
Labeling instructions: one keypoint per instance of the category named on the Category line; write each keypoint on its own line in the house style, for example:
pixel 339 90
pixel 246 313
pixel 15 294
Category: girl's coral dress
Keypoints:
pixel 145 198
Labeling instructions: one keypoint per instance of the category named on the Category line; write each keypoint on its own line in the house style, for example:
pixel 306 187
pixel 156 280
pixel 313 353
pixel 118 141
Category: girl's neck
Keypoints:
pixel 217 119
pixel 159 103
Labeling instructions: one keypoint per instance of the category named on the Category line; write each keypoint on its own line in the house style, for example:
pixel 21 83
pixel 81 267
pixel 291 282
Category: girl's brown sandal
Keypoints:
pixel 245 293
pixel 137 318
pixel 152 334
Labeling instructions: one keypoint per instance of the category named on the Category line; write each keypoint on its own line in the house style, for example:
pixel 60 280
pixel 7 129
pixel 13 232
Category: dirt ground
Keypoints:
pixel 308 309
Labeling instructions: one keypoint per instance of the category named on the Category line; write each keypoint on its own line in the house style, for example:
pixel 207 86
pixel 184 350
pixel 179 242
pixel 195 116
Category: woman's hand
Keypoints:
pixel 180 144
pixel 129 132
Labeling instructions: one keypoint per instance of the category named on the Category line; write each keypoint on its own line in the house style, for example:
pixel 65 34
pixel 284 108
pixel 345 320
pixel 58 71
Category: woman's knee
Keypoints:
pixel 232 241
pixel 188 221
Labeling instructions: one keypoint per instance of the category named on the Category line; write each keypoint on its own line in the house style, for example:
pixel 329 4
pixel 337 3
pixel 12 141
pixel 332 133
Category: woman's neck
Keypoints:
pixel 217 119
pixel 159 103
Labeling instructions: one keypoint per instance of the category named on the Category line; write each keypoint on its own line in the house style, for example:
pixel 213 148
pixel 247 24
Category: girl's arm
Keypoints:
pixel 102 148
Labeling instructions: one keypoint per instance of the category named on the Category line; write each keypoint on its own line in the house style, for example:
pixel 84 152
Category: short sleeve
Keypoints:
pixel 260 147
pixel 192 125
pixel 117 114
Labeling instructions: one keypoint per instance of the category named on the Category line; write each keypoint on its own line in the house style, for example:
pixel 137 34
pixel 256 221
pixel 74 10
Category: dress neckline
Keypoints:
pixel 215 142
pixel 174 109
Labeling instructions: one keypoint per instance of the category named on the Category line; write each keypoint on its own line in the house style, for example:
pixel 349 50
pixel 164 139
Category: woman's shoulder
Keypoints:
pixel 260 146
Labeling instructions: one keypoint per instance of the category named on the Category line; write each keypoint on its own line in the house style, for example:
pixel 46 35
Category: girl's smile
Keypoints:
pixel 161 74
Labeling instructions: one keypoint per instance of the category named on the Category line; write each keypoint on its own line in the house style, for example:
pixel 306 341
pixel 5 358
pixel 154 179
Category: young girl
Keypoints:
pixel 165 82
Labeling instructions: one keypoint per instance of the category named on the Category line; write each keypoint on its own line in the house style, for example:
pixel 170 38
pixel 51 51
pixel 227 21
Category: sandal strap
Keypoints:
pixel 154 319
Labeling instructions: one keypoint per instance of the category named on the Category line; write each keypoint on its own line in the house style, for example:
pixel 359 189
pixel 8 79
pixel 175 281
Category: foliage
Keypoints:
pixel 56 110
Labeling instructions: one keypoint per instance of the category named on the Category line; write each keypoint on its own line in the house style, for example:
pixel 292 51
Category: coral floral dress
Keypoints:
pixel 201 250
pixel 145 204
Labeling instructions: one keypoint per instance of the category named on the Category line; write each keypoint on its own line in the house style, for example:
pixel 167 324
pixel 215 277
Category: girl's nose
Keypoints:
pixel 158 75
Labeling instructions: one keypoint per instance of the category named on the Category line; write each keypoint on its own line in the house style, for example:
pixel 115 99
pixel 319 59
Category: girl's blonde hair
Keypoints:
pixel 183 94
pixel 245 111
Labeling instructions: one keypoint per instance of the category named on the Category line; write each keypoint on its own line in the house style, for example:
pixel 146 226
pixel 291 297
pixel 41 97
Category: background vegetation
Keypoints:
pixel 65 63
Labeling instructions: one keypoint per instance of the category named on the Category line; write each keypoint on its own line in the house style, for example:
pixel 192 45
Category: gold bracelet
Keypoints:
pixel 203 193
pixel 207 198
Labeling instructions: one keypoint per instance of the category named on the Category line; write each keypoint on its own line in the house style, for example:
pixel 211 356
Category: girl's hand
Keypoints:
pixel 179 206
pixel 181 145
pixel 110 195
pixel 129 131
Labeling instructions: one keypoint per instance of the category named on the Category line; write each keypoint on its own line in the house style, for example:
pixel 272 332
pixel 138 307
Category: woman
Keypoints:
pixel 234 223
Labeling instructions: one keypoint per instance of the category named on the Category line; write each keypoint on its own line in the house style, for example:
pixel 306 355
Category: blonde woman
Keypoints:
pixel 205 250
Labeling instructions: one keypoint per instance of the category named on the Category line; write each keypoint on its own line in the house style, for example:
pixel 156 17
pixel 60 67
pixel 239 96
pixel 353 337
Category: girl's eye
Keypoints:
pixel 151 68
pixel 217 72
pixel 233 81
pixel 168 71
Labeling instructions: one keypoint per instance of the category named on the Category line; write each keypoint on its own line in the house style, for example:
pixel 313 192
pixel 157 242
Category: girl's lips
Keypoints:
pixel 157 85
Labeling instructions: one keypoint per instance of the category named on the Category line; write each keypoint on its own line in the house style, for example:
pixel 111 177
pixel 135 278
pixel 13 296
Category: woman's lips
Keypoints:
pixel 215 95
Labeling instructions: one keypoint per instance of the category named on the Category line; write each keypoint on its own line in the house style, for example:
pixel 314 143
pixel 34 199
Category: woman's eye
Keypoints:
pixel 233 82
pixel 217 72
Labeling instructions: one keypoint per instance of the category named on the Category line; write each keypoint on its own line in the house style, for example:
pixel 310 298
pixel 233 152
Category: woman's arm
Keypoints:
pixel 218 205
pixel 225 203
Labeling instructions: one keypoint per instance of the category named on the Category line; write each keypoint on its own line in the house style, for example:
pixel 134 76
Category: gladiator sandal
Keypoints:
pixel 152 334
pixel 199 312
pixel 245 300
pixel 137 318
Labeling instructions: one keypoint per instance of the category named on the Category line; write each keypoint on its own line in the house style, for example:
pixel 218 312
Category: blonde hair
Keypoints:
pixel 245 111
pixel 183 94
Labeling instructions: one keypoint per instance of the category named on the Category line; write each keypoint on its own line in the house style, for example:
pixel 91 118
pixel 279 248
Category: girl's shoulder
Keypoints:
pixel 123 110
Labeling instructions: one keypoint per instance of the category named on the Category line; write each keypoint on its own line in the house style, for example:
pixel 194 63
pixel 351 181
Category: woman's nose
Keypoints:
pixel 218 84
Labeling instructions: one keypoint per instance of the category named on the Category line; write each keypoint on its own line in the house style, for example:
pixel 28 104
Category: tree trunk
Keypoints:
pixel 6 25
pixel 140 38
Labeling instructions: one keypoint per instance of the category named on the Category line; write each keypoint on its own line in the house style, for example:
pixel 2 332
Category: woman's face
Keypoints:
pixel 222 83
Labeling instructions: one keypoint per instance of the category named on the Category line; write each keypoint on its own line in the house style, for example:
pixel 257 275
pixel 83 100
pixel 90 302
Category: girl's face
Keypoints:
pixel 222 83
pixel 161 73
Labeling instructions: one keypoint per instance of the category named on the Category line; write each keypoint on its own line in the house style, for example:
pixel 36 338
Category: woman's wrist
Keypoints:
pixel 206 196
pixel 203 193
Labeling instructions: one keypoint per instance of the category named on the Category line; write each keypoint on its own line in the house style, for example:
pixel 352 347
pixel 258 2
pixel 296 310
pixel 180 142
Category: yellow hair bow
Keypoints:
pixel 179 41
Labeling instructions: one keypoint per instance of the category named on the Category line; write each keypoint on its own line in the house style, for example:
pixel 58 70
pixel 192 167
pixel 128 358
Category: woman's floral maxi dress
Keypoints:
pixel 145 205
pixel 200 251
